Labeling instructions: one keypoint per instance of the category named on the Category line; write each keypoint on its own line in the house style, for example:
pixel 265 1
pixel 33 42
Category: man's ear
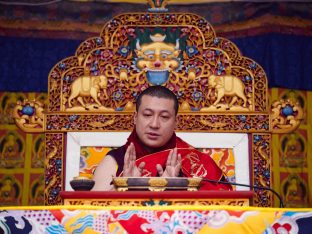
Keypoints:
pixel 135 117
pixel 176 122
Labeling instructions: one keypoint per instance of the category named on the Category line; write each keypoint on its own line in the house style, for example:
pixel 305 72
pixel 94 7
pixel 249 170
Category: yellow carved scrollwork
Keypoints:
pixel 286 116
pixel 101 125
pixel 29 116
pixel 211 124
pixel 53 180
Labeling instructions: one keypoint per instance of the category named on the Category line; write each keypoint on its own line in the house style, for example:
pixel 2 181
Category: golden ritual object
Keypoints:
pixel 156 183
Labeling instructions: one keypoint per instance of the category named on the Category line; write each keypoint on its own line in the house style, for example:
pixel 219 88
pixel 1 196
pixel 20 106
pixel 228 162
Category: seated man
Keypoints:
pixel 153 149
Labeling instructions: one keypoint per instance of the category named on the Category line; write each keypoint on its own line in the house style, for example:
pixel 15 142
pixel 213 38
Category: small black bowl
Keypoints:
pixel 83 184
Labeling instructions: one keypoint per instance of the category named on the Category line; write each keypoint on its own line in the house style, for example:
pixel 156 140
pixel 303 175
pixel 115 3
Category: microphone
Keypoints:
pixel 249 186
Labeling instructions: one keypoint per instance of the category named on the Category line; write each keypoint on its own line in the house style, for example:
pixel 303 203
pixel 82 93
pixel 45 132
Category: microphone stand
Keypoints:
pixel 249 186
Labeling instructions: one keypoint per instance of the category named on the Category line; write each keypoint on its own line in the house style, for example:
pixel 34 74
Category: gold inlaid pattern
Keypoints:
pixel 158 182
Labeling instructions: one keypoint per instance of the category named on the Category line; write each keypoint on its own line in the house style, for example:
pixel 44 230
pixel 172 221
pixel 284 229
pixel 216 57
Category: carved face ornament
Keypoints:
pixel 157 58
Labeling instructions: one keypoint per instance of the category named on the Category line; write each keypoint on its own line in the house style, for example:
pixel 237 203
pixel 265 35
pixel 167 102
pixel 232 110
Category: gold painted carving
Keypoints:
pixel 102 124
pixel 28 116
pixel 88 86
pixel 155 202
pixel 194 182
pixel 121 181
pixel 261 158
pixel 87 122
pixel 158 182
pixel 158 3
pixel 54 168
pixel 212 124
pixel 136 50
pixel 286 116
pixel 157 56
pixel 227 85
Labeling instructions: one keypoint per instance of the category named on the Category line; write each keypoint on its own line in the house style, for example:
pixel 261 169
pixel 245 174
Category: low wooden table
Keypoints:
pixel 148 198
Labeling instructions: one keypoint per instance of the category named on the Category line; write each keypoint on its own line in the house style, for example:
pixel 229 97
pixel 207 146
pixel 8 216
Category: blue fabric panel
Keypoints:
pixel 26 62
pixel 286 59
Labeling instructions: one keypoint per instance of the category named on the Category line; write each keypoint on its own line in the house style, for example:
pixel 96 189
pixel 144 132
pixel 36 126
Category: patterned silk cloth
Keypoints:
pixel 212 219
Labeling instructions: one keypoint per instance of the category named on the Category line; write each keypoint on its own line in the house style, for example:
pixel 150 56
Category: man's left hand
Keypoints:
pixel 173 165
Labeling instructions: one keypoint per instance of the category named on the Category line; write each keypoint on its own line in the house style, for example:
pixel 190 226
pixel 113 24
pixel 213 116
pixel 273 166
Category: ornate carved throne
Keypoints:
pixel 219 91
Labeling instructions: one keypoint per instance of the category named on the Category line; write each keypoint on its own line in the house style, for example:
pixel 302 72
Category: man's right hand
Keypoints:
pixel 173 165
pixel 130 169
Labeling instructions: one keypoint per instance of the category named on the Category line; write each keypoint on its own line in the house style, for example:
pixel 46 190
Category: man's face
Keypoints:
pixel 155 121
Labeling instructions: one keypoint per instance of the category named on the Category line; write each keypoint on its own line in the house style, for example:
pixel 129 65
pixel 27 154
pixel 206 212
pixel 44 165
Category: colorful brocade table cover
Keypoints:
pixel 179 219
